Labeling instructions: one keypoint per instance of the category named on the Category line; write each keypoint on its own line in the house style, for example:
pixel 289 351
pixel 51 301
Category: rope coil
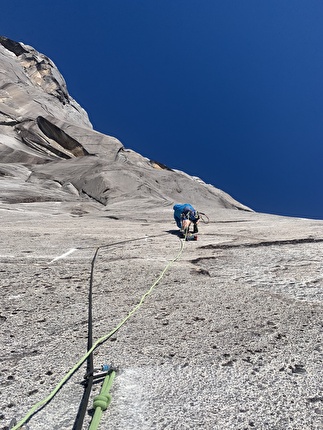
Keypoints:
pixel 204 218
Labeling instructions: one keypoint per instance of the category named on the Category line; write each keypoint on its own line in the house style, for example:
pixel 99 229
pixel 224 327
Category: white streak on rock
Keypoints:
pixel 63 255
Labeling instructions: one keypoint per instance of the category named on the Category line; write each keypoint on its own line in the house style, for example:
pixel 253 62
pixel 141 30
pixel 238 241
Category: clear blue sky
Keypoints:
pixel 227 90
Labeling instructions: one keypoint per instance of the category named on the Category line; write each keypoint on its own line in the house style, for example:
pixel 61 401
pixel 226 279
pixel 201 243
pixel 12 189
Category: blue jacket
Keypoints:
pixel 183 211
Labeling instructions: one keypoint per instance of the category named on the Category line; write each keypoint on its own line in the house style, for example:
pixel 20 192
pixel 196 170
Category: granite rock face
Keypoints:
pixel 46 131
pixel 231 337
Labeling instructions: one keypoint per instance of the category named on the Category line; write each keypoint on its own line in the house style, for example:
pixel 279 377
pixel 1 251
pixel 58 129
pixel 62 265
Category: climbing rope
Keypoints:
pixel 89 366
pixel 204 218
pixel 102 401
pixel 78 424
pixel 102 339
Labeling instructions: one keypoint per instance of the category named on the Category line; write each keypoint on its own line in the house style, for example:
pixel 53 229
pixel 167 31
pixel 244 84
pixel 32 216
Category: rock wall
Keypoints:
pixel 44 129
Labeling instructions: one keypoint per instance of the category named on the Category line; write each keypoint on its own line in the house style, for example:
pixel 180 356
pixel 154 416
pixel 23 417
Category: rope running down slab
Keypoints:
pixel 102 339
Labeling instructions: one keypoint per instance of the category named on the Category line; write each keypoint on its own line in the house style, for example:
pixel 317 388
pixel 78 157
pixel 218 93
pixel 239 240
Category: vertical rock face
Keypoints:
pixel 46 130
pixel 32 89
pixel 32 79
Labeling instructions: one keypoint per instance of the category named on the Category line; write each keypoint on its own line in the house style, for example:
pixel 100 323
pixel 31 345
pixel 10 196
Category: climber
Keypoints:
pixel 184 215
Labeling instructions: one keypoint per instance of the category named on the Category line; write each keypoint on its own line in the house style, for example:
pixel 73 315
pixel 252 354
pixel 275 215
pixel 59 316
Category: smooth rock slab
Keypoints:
pixel 224 341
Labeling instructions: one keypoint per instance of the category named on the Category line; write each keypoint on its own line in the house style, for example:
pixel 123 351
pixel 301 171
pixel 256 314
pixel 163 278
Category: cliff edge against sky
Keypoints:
pixel 48 144
pixel 230 338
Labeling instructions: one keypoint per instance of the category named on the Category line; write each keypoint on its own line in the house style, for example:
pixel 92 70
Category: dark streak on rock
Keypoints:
pixel 264 243
pixel 12 46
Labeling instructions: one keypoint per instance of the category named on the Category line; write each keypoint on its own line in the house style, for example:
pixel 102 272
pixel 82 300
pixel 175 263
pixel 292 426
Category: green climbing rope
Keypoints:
pixel 102 401
pixel 101 340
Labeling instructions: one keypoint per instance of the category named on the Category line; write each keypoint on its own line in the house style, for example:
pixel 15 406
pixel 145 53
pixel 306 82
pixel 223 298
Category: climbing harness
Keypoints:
pixel 91 347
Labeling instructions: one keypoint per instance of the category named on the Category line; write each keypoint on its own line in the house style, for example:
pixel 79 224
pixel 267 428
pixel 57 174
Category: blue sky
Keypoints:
pixel 227 90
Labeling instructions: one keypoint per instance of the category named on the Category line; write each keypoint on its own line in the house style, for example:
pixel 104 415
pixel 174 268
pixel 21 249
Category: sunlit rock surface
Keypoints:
pixel 231 337
pixel 46 130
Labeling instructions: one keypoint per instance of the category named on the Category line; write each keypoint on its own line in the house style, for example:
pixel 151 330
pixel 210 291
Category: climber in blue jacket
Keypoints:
pixel 184 215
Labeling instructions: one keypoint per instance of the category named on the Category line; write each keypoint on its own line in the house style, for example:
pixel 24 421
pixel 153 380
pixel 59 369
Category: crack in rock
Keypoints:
pixel 264 243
